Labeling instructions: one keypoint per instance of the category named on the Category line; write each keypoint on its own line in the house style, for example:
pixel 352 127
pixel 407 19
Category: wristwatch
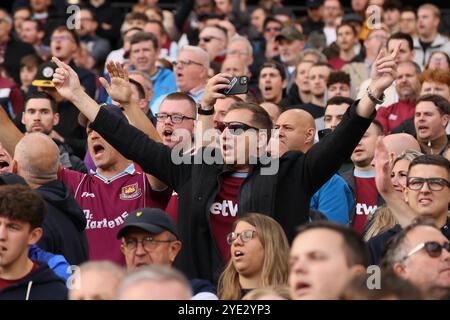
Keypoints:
pixel 373 98
pixel 205 112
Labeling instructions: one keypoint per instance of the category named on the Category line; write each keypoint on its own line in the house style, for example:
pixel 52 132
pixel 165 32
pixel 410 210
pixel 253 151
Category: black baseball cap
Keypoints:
pixel 149 219
pixel 83 121
pixel 11 178
pixel 352 17
pixel 44 75
pixel 314 4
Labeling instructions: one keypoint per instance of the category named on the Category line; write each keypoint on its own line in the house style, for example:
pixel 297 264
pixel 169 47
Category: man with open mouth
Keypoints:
pixel 213 195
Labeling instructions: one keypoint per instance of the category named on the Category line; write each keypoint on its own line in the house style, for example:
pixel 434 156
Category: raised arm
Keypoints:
pixel 402 212
pixel 327 156
pixel 9 134
pixel 205 123
pixel 154 158
pixel 120 90
pixel 383 74
pixel 67 83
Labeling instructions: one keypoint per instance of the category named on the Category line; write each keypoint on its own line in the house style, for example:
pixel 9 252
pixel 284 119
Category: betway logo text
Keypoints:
pixel 225 208
pixel 364 209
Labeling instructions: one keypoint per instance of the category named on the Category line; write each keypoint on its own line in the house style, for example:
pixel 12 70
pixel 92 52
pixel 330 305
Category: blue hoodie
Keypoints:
pixel 334 199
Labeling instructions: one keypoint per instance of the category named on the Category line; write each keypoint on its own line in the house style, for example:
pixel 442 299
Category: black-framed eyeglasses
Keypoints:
pixel 186 63
pixel 208 39
pixel 434 184
pixel 149 244
pixel 236 128
pixel 432 248
pixel 175 118
pixel 245 236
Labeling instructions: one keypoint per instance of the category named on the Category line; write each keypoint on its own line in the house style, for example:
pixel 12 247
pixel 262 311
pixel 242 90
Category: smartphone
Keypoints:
pixel 238 85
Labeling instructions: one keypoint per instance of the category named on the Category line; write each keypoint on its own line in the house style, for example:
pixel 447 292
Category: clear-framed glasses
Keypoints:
pixel 237 53
pixel 186 63
pixel 149 244
pixel 245 236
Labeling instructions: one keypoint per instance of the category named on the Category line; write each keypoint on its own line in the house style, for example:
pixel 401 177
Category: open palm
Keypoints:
pixel 384 69
pixel 120 89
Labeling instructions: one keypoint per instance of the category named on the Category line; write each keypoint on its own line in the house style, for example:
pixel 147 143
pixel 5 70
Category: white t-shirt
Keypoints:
pixel 330 34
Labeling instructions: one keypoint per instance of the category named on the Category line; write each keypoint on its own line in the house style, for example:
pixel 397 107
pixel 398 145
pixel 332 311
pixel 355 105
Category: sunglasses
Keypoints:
pixel 432 248
pixel 277 29
pixel 236 128
pixel 208 39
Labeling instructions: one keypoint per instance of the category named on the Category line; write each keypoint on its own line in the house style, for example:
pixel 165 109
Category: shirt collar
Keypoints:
pixel 130 170
pixel 364 174
pixel 197 91
pixel 153 78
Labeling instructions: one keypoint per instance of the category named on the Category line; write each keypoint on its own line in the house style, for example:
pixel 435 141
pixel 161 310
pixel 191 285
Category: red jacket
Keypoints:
pixel 10 96
pixel 395 114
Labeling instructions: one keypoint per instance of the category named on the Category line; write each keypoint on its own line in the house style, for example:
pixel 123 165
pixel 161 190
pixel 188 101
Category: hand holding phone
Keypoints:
pixel 238 85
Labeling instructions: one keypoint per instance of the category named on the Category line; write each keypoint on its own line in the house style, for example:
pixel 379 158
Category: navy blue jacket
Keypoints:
pixel 377 243
pixel 42 284
pixel 64 224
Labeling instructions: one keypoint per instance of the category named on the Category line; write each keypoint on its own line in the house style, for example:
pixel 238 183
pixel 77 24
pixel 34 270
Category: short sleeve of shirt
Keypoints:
pixel 71 178
pixel 159 199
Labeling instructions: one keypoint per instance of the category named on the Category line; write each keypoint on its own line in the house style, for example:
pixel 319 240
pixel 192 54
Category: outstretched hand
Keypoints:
pixel 384 69
pixel 66 81
pixel 382 168
pixel 120 89
pixel 212 90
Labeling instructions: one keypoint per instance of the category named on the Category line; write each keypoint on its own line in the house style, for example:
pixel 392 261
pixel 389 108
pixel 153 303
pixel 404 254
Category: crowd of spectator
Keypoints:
pixel 128 171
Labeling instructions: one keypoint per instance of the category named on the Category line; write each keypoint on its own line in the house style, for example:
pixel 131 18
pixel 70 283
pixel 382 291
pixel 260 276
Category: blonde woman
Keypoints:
pixel 269 293
pixel 259 257
pixel 383 220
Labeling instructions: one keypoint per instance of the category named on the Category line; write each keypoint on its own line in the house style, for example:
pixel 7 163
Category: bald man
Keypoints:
pixel 398 143
pixel 295 131
pixel 36 159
